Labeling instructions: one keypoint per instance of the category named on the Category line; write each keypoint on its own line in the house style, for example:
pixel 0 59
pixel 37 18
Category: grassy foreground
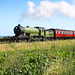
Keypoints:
pixel 38 58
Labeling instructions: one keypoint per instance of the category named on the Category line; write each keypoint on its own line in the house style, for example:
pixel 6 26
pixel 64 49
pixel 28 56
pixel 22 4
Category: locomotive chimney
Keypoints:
pixel 19 25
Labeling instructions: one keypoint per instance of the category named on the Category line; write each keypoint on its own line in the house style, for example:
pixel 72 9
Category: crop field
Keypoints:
pixel 38 58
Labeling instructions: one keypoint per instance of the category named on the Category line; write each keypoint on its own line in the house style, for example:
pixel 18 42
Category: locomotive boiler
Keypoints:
pixel 18 30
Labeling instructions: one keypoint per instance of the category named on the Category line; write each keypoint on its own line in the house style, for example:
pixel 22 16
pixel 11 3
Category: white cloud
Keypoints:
pixel 67 9
pixel 48 9
pixel 73 1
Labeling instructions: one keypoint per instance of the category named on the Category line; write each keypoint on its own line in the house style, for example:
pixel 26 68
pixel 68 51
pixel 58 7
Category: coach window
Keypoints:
pixel 42 30
pixel 63 33
pixel 50 33
pixel 71 32
pixel 67 32
pixel 60 32
pixel 57 32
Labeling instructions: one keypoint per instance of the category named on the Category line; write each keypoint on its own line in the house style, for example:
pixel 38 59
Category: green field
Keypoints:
pixel 38 58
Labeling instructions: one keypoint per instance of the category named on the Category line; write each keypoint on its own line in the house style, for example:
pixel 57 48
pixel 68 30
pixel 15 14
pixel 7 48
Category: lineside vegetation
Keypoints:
pixel 38 58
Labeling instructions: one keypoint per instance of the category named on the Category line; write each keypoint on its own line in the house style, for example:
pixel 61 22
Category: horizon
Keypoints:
pixel 58 14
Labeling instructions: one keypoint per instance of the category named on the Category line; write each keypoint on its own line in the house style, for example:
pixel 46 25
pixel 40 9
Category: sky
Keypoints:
pixel 44 13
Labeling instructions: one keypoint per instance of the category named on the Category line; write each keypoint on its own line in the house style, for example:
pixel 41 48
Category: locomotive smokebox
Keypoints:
pixel 19 30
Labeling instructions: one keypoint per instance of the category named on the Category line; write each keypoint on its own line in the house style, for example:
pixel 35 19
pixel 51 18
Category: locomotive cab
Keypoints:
pixel 41 30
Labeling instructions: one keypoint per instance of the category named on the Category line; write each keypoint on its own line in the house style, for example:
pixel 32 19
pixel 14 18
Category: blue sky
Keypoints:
pixel 12 12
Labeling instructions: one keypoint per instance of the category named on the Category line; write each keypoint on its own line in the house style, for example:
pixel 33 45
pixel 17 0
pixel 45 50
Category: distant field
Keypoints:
pixel 34 45
pixel 38 58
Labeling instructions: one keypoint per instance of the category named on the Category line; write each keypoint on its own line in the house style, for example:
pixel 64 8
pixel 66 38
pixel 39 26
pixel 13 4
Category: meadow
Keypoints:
pixel 38 58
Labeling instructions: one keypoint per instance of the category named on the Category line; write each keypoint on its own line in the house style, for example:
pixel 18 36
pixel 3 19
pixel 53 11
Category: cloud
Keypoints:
pixel 31 6
pixel 73 1
pixel 49 9
pixel 67 9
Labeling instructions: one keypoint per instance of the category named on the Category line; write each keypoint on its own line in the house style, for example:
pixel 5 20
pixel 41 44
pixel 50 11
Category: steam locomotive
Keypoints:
pixel 40 33
pixel 27 33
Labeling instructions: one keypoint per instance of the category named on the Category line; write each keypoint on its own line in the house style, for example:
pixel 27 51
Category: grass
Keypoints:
pixel 38 58
pixel 33 45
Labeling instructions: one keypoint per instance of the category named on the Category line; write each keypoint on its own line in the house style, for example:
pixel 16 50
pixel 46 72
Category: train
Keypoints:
pixel 40 33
